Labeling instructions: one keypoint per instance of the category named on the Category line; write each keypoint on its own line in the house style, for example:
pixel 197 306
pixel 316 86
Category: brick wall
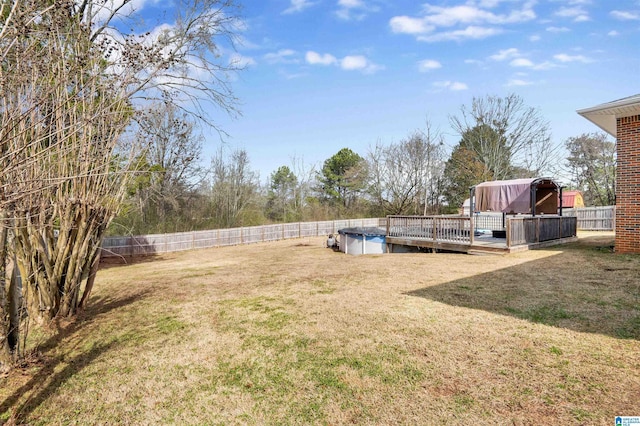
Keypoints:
pixel 628 185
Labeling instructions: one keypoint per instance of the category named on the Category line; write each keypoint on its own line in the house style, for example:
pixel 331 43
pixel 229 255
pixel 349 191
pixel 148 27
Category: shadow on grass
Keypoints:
pixel 117 261
pixel 583 287
pixel 49 377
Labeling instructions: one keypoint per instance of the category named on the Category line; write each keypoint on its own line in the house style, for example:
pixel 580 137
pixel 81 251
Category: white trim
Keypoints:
pixel 605 115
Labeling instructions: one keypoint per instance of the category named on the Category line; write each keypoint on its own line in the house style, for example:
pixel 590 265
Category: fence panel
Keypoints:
pixel 530 230
pixel 594 218
pixel 252 234
pixel 569 226
pixel 163 243
pixel 549 228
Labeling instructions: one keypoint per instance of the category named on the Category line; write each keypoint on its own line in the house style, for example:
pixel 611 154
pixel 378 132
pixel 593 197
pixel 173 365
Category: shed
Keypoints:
pixel 526 196
pixel 572 199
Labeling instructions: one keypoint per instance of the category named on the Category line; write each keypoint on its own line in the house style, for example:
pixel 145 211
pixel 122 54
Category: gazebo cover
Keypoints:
pixel 508 196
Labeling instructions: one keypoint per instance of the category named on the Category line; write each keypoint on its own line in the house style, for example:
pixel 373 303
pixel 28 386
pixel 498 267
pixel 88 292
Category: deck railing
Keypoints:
pixel 530 230
pixel 453 229
pixel 520 230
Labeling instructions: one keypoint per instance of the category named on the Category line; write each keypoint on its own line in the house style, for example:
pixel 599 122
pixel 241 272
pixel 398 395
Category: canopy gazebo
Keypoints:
pixel 518 196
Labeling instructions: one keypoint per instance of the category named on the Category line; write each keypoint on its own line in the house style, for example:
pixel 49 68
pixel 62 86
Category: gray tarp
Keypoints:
pixel 508 196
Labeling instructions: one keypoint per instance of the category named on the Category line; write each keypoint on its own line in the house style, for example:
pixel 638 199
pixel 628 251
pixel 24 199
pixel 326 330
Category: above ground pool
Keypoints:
pixel 363 240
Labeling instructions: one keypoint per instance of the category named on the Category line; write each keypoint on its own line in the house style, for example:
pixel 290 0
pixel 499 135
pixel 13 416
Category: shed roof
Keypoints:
pixel 572 199
pixel 605 115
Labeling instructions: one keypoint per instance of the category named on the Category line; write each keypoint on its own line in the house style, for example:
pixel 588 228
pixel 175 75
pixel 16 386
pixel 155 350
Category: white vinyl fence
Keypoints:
pixel 141 245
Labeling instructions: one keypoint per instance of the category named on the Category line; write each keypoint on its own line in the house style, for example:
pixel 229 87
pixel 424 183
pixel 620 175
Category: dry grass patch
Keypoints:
pixel 293 333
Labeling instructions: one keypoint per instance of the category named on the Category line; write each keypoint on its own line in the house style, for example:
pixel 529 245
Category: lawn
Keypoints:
pixel 293 333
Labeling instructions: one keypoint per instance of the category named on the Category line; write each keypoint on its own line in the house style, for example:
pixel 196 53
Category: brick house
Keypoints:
pixel 621 119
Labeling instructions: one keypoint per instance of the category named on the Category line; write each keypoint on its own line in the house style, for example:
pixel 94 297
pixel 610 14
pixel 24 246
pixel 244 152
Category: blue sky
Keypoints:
pixel 326 74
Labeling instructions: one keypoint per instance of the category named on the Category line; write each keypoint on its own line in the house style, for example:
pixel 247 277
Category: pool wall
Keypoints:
pixel 358 241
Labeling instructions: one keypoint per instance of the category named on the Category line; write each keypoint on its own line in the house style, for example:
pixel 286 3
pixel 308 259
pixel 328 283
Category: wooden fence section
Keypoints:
pixel 142 245
pixel 538 229
pixel 594 218
pixel 450 229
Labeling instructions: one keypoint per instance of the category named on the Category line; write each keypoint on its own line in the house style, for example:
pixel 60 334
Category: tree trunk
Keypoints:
pixel 5 294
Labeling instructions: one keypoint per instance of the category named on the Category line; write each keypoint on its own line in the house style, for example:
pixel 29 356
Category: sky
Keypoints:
pixel 322 75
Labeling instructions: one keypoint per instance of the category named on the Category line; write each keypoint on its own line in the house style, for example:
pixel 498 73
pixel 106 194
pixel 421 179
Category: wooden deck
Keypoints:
pixel 452 233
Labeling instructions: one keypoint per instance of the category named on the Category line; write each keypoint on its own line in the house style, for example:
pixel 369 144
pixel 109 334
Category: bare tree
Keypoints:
pixel 234 187
pixel 169 170
pixel 71 84
pixel 508 137
pixel 405 178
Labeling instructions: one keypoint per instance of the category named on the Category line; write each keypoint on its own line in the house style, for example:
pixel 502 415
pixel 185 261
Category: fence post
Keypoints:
pixel 560 227
pixel 508 228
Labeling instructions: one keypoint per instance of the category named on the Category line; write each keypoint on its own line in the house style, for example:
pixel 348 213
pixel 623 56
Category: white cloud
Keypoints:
pixel 577 13
pixel 450 85
pixel 408 25
pixel 315 58
pixel 534 38
pixel 350 3
pixel 471 32
pixel 563 57
pixel 348 63
pixel 428 65
pixel 625 15
pixel 103 9
pixel 516 82
pixel 354 9
pixel 449 16
pixel 472 20
pixel 558 29
pixel 505 54
pixel 527 63
pixel 298 6
pixel 522 62
pixel 359 63
pixel 238 60
pixel 613 33
pixel 286 56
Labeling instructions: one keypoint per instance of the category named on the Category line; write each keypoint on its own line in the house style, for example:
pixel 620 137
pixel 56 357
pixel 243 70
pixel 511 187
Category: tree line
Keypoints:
pixel 500 138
